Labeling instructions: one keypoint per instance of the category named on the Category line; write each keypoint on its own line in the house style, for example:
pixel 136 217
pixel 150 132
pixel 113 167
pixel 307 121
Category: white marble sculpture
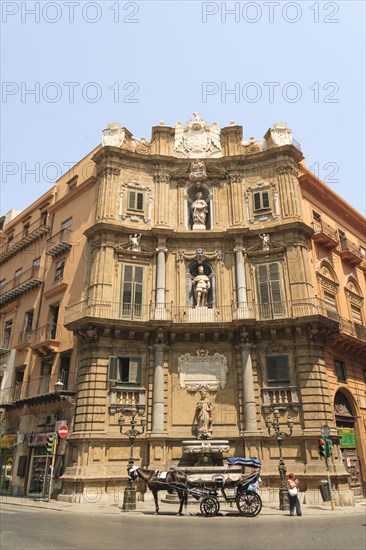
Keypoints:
pixel 113 135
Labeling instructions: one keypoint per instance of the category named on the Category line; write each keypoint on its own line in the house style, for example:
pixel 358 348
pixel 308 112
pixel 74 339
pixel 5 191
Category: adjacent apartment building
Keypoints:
pixel 155 270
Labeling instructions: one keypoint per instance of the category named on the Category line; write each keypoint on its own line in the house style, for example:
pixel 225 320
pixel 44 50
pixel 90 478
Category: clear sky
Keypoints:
pixel 70 67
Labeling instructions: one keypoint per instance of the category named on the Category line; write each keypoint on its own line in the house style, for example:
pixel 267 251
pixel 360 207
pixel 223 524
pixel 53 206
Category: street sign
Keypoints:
pixel 325 430
pixel 63 431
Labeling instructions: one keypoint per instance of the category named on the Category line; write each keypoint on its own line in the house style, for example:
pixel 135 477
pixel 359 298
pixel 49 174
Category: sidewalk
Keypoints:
pixel 147 508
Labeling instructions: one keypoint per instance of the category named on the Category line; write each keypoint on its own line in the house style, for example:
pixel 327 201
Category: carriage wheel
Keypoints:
pixel 249 503
pixel 209 506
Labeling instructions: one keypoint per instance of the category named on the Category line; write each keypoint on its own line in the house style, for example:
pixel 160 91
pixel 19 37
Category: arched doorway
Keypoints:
pixel 345 421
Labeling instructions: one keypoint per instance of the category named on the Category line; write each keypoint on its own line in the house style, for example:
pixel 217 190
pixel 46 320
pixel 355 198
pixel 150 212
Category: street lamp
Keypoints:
pixel 129 496
pixel 279 435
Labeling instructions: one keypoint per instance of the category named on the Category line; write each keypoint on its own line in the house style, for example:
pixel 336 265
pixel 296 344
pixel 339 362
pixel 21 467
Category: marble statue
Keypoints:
pixel 266 239
pixel 204 417
pixel 134 241
pixel 201 285
pixel 199 211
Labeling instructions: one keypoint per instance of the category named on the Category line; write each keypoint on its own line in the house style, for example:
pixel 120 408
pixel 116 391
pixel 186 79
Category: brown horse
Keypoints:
pixel 172 480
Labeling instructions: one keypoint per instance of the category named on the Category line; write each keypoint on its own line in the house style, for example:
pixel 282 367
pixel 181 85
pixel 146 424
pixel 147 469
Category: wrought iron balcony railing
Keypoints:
pixel 325 234
pixel 19 285
pixel 28 235
pixel 350 252
pixel 44 385
pixel 58 243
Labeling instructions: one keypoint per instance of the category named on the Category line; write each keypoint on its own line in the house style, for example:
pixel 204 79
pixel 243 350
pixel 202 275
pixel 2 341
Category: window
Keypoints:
pixel 124 370
pixel 317 221
pixel 2 282
pixel 7 333
pixel 44 381
pixel 37 262
pixel 26 227
pixel 18 382
pixel 66 223
pixel 18 272
pixel 269 290
pixel 132 291
pixel 63 373
pixel 342 239
pixel 59 271
pixel 71 184
pixel 28 321
pixel 261 200
pixel 135 201
pixel 52 322
pixel 331 305
pixel 277 370
pixel 340 370
pixel 10 240
pixel 357 320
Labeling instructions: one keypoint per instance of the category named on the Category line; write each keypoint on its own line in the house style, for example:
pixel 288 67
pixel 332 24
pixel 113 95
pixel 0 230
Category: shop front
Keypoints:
pixel 40 462
pixel 7 446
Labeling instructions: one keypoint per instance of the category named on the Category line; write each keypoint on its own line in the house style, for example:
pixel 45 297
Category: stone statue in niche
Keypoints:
pixel 204 417
pixel 134 242
pixel 266 239
pixel 201 285
pixel 199 211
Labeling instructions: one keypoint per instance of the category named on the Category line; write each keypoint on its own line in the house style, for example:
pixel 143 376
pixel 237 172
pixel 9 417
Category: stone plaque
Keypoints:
pixel 202 371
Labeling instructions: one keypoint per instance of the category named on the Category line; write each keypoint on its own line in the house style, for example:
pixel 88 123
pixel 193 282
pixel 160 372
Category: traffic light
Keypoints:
pixel 328 448
pixel 49 444
pixel 321 447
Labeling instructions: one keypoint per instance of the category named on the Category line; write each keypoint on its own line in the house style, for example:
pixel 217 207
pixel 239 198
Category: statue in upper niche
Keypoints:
pixel 199 211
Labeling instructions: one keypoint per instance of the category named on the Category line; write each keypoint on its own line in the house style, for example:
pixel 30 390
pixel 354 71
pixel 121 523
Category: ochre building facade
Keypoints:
pixel 155 270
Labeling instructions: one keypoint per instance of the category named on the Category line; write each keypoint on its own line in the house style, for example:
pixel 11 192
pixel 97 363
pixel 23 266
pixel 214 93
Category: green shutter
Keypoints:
pixel 265 199
pixel 134 371
pixel 132 200
pixel 140 201
pixel 257 201
pixel 113 369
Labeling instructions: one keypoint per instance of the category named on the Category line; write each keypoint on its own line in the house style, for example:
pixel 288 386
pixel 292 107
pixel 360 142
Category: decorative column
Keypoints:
pixel 158 386
pixel 107 201
pixel 250 410
pixel 162 181
pixel 160 274
pixel 236 198
pixel 241 285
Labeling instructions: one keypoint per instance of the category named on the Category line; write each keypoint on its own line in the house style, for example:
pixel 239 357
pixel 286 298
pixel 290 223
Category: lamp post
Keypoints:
pixel 279 435
pixel 129 496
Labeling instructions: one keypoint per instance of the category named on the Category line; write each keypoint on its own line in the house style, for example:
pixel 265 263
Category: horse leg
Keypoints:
pixel 181 496
pixel 155 494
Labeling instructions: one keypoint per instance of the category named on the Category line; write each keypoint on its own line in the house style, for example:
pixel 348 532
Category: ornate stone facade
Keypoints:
pixel 259 339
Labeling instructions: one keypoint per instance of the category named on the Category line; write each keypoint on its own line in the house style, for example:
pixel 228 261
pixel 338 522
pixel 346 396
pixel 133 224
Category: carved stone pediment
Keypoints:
pixel 202 371
pixel 124 251
pixel 271 247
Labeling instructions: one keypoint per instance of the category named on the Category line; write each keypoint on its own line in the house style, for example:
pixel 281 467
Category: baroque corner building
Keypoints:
pixel 155 270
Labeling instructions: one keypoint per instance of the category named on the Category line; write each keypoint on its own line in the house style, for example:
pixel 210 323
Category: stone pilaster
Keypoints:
pixel 250 410
pixel 158 385
pixel 289 190
pixel 162 180
pixel 107 199
pixel 236 199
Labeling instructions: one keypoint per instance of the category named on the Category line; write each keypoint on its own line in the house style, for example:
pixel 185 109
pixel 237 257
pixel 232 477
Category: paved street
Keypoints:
pixel 37 529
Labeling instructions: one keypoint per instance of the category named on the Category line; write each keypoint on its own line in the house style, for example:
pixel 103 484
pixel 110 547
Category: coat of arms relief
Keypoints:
pixel 197 140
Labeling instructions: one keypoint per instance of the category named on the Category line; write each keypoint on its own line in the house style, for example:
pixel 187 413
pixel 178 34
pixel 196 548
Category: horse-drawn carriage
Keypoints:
pixel 246 498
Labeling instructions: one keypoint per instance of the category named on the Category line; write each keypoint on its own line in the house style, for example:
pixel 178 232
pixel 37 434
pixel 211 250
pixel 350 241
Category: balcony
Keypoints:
pixel 38 390
pixel 325 235
pixel 59 243
pixel 125 398
pixel 19 285
pixel 352 329
pixel 46 339
pixel 30 234
pixel 282 398
pixel 350 252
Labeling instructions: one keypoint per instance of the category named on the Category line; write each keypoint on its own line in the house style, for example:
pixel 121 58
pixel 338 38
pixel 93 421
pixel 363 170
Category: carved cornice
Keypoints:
pixel 328 283
pixel 200 255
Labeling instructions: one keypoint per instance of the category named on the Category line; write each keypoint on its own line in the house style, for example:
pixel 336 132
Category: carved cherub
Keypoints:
pixel 134 241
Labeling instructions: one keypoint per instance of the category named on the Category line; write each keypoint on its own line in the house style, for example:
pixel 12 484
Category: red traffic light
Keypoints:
pixel 320 442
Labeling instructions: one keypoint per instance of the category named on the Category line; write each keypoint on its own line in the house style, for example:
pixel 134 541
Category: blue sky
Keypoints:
pixel 137 63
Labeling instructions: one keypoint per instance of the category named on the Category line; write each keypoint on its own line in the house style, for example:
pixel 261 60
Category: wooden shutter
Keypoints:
pixel 257 201
pixel 113 369
pixel 269 290
pixel 356 315
pixel 331 305
pixel 140 201
pixel 265 199
pixel 135 368
pixel 131 200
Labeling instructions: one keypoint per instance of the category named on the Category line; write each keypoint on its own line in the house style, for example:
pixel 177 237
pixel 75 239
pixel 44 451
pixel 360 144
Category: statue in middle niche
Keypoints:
pixel 201 285
pixel 199 211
